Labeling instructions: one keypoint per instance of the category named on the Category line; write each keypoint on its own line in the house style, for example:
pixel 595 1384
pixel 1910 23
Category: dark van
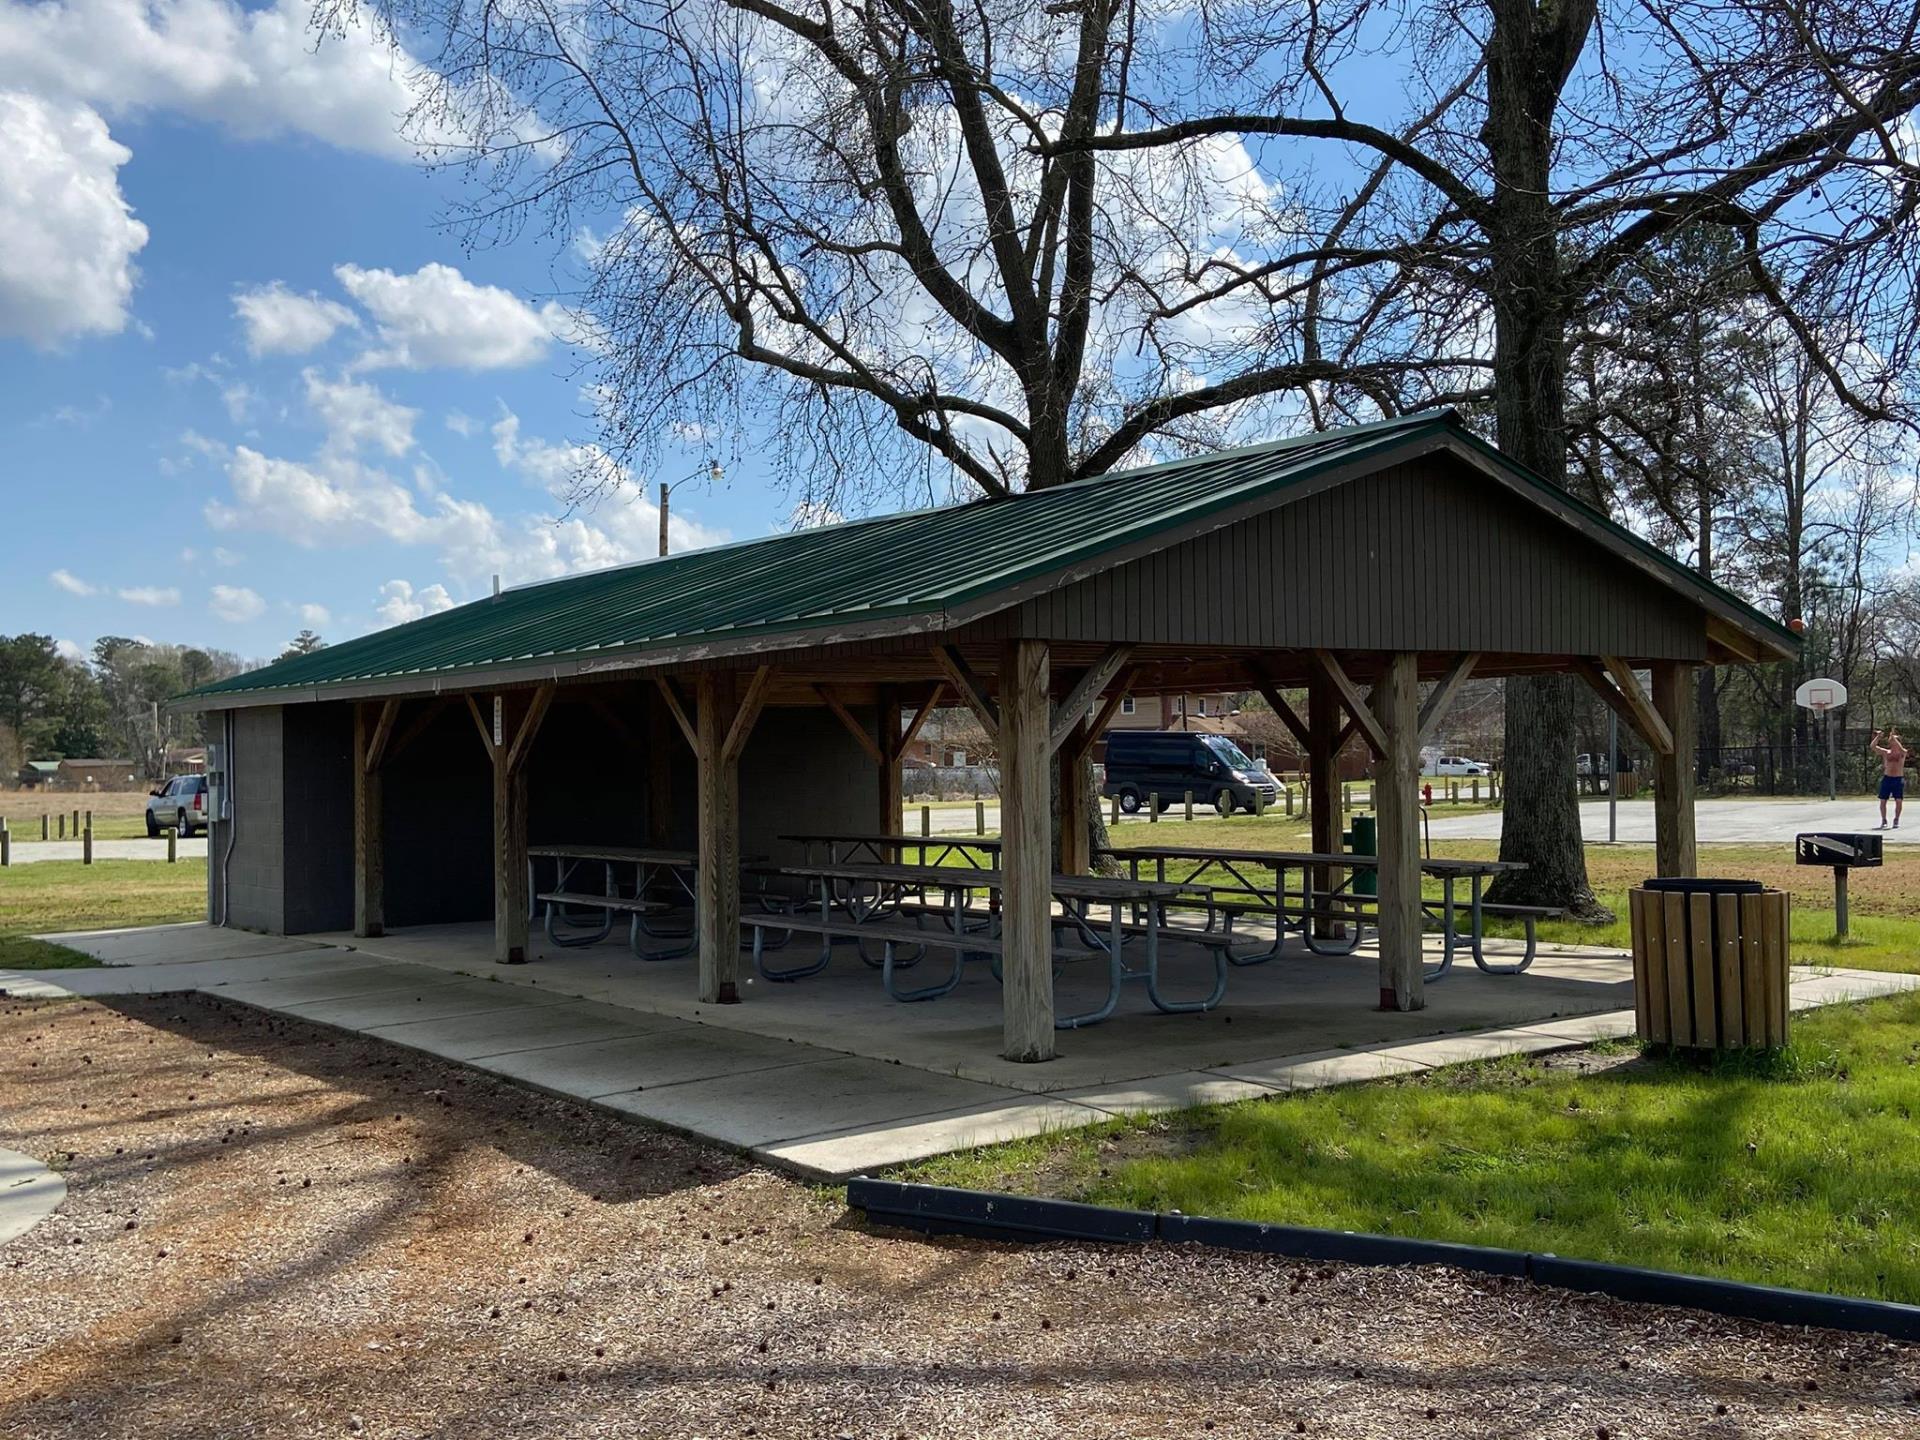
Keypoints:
pixel 1168 763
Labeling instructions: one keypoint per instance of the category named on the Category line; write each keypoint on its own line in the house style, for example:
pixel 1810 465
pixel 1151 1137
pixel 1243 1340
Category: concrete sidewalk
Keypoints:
pixel 29 1192
pixel 1716 822
pixel 807 1107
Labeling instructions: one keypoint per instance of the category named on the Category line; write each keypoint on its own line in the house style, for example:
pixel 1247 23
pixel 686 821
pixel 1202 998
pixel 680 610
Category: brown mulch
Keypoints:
pixel 276 1230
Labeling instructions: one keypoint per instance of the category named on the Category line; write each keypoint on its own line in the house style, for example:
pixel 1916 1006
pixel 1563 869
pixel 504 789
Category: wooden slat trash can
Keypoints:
pixel 1710 963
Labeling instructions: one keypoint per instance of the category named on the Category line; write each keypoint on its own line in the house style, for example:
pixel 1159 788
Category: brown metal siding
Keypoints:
pixel 1424 556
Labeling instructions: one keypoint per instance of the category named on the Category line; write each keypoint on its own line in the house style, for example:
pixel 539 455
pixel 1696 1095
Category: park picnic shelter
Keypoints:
pixel 725 699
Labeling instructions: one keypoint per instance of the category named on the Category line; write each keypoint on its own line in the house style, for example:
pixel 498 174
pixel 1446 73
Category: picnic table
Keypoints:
pixel 1253 893
pixel 879 848
pixel 889 904
pixel 653 869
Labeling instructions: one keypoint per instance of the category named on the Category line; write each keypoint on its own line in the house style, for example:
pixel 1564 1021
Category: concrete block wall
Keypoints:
pixel 292 866
pixel 284 863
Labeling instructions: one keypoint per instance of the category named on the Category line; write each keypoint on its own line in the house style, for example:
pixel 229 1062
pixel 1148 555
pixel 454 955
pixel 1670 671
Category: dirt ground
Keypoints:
pixel 275 1230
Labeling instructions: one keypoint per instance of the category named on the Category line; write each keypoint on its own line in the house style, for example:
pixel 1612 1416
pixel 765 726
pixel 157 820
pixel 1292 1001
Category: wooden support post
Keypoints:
pixel 892 796
pixel 979 817
pixel 86 844
pixel 369 829
pixel 1396 800
pixel 1323 786
pixel 509 857
pixel 63 825
pixel 6 845
pixel 717 887
pixel 508 735
pixel 1076 794
pixel 173 848
pixel 1026 895
pixel 1673 834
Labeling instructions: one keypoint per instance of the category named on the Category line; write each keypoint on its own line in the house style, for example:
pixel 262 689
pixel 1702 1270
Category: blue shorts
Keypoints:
pixel 1893 787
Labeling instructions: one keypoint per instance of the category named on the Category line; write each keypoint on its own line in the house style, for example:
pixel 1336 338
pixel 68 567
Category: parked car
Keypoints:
pixel 1460 765
pixel 181 803
pixel 1168 763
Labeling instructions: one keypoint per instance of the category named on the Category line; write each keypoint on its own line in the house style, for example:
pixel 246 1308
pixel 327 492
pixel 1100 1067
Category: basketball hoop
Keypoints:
pixel 1820 696
pixel 1823 697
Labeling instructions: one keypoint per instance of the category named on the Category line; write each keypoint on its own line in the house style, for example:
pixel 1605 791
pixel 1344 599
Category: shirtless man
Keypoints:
pixel 1893 778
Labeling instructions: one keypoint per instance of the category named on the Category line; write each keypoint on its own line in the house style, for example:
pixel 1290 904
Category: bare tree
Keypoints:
pixel 1540 153
pixel 870 229
pixel 1021 244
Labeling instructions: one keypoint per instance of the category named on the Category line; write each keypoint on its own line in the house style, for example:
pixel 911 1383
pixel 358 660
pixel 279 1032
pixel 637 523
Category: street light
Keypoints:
pixel 713 470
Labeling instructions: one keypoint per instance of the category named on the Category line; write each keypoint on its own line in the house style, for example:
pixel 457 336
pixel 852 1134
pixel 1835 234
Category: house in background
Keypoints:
pixel 38 774
pixel 96 775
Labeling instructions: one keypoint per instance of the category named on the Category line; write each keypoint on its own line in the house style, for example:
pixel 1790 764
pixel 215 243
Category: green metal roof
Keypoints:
pixel 918 565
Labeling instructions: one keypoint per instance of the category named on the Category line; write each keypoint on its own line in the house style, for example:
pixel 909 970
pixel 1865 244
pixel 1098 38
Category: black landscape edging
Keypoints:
pixel 938 1210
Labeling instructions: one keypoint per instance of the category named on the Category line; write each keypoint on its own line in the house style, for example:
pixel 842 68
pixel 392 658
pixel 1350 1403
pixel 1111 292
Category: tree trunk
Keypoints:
pixel 1529 54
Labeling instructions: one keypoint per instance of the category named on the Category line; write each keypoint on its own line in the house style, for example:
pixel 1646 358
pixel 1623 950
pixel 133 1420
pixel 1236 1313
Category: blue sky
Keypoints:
pixel 248 383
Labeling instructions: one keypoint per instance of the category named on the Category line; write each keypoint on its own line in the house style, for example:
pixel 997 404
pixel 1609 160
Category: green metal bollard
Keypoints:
pixel 1364 839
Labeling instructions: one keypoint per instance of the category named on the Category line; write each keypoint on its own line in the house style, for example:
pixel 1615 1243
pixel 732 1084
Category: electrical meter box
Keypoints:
pixel 217 784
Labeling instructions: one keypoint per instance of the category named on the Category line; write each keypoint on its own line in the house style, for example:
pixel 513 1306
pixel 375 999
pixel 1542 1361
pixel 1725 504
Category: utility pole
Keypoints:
pixel 713 470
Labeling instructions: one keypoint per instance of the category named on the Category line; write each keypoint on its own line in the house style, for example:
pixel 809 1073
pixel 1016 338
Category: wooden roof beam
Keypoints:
pixel 967 686
pixel 1440 699
pixel 853 726
pixel 1068 714
pixel 1084 740
pixel 678 711
pixel 912 732
pixel 1613 681
pixel 382 733
pixel 1358 706
pixel 747 716
pixel 1263 682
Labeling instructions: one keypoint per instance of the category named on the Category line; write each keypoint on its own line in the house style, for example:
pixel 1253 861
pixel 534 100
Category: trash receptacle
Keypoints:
pixel 1364 839
pixel 1710 963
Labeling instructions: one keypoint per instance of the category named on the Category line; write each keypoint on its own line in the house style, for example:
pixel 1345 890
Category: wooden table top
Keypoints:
pixel 622 854
pixel 1072 887
pixel 972 842
pixel 1294 859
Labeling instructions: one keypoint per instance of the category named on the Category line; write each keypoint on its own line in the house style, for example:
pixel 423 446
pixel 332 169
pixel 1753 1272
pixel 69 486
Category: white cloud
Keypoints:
pixel 258 73
pixel 236 603
pixel 72 583
pixel 67 234
pixel 238 398
pixel 437 317
pixel 314 616
pixel 461 423
pixel 337 499
pixel 150 595
pixel 279 322
pixel 356 414
pixel 224 556
pixel 400 602
pixel 68 650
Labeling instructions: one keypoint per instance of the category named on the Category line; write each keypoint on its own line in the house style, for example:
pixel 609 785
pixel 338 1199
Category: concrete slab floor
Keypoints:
pixel 1296 1004
pixel 828 1077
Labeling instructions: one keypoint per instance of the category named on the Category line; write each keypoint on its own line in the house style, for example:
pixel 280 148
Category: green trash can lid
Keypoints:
pixel 1693 886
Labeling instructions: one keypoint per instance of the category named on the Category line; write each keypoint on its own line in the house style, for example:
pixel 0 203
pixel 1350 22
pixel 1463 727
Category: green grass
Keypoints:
pixel 58 895
pixel 1797 1169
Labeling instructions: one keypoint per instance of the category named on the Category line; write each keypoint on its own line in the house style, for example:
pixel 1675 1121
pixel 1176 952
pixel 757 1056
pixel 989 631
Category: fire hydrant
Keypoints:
pixel 1426 793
